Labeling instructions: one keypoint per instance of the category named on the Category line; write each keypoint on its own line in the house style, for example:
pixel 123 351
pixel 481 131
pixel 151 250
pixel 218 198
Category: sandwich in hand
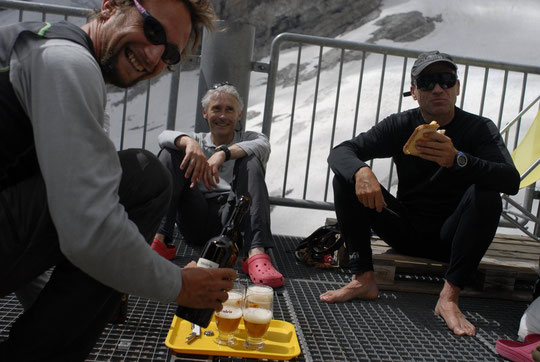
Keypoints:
pixel 418 135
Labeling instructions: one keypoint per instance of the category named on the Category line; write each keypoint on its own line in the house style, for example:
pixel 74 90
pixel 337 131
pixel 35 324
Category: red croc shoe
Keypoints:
pixel 166 251
pixel 261 271
pixel 518 351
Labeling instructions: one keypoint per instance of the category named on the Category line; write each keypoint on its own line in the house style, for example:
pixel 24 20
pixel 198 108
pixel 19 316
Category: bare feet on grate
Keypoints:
pixel 447 308
pixel 363 286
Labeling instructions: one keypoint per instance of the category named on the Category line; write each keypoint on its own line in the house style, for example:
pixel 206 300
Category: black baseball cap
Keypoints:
pixel 428 58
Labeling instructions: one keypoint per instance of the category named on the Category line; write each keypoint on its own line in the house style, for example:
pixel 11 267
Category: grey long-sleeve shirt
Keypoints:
pixel 60 86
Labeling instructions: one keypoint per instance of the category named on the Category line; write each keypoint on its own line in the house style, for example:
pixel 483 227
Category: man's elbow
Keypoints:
pixel 333 156
pixel 73 252
pixel 513 183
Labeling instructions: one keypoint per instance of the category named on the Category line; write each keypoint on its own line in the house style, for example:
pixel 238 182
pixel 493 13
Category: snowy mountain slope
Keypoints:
pixel 495 30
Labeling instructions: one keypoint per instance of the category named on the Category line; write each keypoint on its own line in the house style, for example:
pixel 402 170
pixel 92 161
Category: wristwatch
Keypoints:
pixel 461 159
pixel 225 149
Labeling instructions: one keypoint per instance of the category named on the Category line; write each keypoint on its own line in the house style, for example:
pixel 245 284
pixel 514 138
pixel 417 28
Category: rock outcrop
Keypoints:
pixel 320 18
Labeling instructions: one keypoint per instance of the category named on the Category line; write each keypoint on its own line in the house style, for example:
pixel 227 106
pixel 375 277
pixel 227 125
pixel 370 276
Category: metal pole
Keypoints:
pixel 225 56
pixel 173 98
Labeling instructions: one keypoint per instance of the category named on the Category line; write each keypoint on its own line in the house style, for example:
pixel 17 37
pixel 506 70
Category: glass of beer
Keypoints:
pixel 228 318
pixel 258 306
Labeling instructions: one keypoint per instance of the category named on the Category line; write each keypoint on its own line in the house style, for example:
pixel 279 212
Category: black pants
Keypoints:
pixel 461 239
pixel 199 218
pixel 68 316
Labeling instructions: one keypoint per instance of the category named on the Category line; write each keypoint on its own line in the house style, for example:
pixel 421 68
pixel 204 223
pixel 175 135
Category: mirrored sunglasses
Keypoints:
pixel 155 33
pixel 428 81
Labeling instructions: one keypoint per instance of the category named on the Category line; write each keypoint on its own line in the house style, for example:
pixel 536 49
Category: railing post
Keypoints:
pixel 225 56
pixel 173 98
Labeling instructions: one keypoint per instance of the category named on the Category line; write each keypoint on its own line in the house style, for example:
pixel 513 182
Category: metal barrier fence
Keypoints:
pixel 330 90
pixel 319 92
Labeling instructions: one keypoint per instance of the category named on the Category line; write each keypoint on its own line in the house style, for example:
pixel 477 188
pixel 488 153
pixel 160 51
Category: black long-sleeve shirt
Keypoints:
pixel 425 188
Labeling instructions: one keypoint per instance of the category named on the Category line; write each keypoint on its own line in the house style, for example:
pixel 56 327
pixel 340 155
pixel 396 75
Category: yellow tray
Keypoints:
pixel 281 341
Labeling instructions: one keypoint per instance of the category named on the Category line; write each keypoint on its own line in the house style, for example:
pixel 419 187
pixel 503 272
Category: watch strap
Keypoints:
pixel 225 149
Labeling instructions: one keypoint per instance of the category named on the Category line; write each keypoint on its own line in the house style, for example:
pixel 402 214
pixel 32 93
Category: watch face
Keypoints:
pixel 461 159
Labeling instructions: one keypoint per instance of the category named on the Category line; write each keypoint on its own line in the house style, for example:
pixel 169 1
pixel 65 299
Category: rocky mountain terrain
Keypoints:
pixel 320 18
pixel 323 18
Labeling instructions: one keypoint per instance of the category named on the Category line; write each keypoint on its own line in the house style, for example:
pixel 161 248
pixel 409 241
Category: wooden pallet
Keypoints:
pixel 510 258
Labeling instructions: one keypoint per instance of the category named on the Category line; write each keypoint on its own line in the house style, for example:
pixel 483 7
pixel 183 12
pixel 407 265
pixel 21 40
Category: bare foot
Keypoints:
pixel 447 308
pixel 363 286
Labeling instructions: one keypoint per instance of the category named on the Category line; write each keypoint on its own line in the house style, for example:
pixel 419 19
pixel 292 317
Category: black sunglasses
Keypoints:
pixel 220 84
pixel 155 33
pixel 427 82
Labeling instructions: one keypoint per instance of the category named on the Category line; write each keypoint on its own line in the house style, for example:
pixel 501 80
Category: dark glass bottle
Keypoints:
pixel 219 252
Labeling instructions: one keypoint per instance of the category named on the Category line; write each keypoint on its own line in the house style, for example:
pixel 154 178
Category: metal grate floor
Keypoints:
pixel 397 326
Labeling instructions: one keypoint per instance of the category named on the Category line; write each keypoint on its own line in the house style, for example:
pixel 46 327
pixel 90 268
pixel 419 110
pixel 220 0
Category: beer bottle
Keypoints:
pixel 219 252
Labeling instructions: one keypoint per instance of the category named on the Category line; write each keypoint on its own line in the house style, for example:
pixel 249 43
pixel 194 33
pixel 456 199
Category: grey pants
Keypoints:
pixel 199 219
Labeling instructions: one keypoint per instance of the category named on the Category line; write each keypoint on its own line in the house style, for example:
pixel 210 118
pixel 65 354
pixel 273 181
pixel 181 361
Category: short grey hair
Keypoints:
pixel 226 88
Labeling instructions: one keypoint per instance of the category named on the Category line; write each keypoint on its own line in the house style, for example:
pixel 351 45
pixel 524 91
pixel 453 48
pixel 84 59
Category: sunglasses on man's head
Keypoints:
pixel 426 82
pixel 220 84
pixel 155 33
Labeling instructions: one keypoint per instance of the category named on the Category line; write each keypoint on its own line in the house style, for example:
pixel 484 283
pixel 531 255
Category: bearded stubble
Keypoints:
pixel 110 71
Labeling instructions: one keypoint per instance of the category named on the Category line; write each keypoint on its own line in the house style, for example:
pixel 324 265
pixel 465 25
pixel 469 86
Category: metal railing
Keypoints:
pixel 308 107
pixel 378 76
pixel 24 7
pixel 515 214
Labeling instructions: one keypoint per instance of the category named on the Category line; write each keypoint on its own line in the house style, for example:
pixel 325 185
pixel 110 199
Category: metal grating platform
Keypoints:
pixel 397 326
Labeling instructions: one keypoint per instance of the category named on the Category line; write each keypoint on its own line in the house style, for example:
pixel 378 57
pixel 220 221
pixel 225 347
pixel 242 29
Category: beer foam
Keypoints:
pixel 260 290
pixel 235 299
pixel 234 296
pixel 257 315
pixel 229 312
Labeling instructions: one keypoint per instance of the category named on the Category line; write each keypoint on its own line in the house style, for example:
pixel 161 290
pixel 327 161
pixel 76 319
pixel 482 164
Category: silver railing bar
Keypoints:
pixel 334 123
pixel 45 8
pixel 507 126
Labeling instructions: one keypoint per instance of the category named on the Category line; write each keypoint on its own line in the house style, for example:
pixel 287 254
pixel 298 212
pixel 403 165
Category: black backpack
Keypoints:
pixel 320 249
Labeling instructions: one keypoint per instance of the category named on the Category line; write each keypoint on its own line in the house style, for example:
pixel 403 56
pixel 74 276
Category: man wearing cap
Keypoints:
pixel 210 172
pixel 448 201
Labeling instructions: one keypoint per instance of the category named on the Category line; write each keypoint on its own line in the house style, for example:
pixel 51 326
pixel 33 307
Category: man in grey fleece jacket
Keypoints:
pixel 77 204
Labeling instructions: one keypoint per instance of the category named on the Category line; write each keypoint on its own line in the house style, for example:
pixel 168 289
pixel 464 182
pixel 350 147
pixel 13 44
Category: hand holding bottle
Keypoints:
pixel 205 288
pixel 219 253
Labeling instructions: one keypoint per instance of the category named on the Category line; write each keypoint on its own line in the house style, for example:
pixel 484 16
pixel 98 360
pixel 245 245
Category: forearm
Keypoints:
pixel 252 143
pixel 344 162
pixel 237 152
pixel 498 176
pixel 172 139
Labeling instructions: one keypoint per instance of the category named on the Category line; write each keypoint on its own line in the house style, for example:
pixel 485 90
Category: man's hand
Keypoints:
pixel 439 149
pixel 194 159
pixel 205 288
pixel 211 175
pixel 368 189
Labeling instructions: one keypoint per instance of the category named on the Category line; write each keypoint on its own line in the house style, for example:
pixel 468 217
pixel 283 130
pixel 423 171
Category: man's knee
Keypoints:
pixel 489 201
pixel 342 189
pixel 143 177
pixel 167 155
pixel 250 164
